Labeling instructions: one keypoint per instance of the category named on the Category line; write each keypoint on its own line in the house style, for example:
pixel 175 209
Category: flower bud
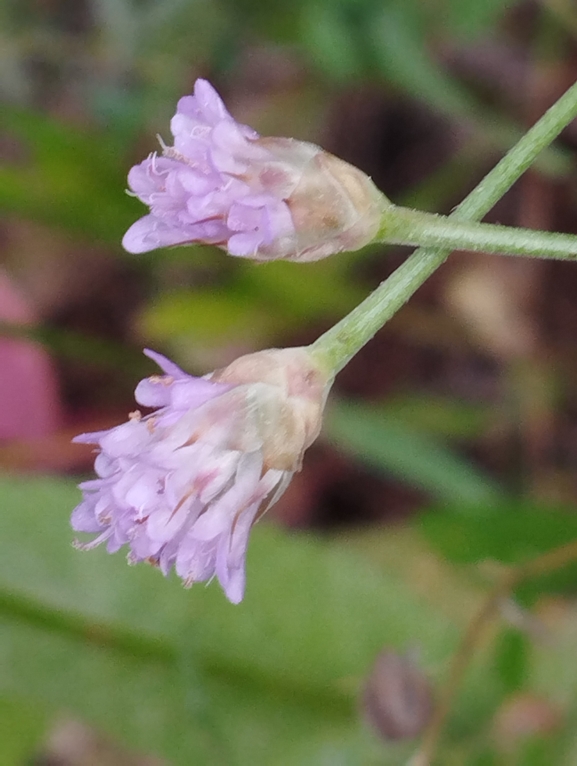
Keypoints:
pixel 334 206
pixel 285 394
pixel 260 198
pixel 183 486
pixel 398 698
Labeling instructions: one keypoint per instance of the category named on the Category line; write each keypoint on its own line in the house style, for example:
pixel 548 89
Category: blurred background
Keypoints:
pixel 450 444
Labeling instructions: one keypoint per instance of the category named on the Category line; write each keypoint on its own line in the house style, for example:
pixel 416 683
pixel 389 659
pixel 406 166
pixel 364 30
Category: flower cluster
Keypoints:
pixel 182 487
pixel 262 198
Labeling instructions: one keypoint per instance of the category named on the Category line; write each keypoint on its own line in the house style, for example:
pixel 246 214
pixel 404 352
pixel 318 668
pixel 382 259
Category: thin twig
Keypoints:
pixel 543 564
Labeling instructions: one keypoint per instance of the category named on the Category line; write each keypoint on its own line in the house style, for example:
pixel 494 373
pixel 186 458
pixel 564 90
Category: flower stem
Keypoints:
pixel 335 348
pixel 401 226
pixel 547 562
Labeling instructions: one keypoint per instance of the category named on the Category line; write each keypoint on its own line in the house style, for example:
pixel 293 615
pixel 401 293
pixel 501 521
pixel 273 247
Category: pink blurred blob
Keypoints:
pixel 28 383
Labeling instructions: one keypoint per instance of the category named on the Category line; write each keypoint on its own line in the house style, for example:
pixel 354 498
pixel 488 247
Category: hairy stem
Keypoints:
pixel 335 348
pixel 401 226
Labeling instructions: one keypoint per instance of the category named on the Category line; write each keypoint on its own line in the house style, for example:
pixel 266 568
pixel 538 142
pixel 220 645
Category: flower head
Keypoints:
pixel 183 486
pixel 262 198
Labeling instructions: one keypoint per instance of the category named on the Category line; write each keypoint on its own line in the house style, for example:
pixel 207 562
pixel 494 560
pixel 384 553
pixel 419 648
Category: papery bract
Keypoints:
pixel 261 198
pixel 183 486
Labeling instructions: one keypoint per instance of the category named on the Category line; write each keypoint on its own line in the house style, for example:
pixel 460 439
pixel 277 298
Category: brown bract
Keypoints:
pixel 279 397
pixel 334 206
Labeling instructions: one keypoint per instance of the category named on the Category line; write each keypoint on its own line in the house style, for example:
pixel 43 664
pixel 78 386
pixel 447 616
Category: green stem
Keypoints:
pixel 337 346
pixel 34 612
pixel 401 226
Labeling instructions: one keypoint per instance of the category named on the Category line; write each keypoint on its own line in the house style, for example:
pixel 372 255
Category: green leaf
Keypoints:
pixel 512 658
pixel 469 18
pixel 65 177
pixel 390 445
pixel 511 532
pixel 440 416
pixel 207 317
pixel 486 758
pixel 306 291
pixel 22 727
pixel 327 34
pixel 400 54
pixel 255 306
pixel 183 673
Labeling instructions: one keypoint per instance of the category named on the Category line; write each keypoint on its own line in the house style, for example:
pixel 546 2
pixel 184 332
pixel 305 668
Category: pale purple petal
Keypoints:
pixel 150 233
pixel 165 364
pixel 236 499
pixel 218 476
pixel 104 465
pixel 192 393
pixel 175 495
pixel 231 555
pixel 259 220
pixel 126 439
pixel 89 438
pixel 165 523
pixel 231 151
pixel 209 102
pixel 149 177
pixel 198 184
pixel 176 389
pixel 83 519
pixel 192 190
pixel 245 245
pixel 195 560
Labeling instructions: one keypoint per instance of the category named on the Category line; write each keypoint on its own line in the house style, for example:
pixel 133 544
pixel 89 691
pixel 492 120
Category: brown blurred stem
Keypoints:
pixel 543 564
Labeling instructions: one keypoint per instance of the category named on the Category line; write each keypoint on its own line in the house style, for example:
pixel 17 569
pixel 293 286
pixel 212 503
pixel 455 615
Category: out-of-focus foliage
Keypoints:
pixel 183 674
pixel 510 533
pixel 64 177
pixel 387 441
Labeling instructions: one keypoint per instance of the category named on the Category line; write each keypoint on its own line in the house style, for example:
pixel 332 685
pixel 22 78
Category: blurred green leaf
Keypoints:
pixel 183 673
pixel 399 49
pixel 437 415
pixel 275 19
pixel 208 318
pixel 65 177
pixel 21 729
pixel 309 291
pixel 511 532
pixel 327 34
pixel 400 53
pixel 512 659
pixel 387 443
pixel 539 750
pixel 469 18
pixel 119 21
pixel 486 758
pixel 255 306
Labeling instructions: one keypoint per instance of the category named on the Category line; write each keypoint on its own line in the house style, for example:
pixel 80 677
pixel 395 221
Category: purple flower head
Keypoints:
pixel 262 198
pixel 183 486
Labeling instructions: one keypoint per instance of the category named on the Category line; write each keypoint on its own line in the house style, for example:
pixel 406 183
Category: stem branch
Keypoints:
pixel 543 564
pixel 401 226
pixel 337 346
